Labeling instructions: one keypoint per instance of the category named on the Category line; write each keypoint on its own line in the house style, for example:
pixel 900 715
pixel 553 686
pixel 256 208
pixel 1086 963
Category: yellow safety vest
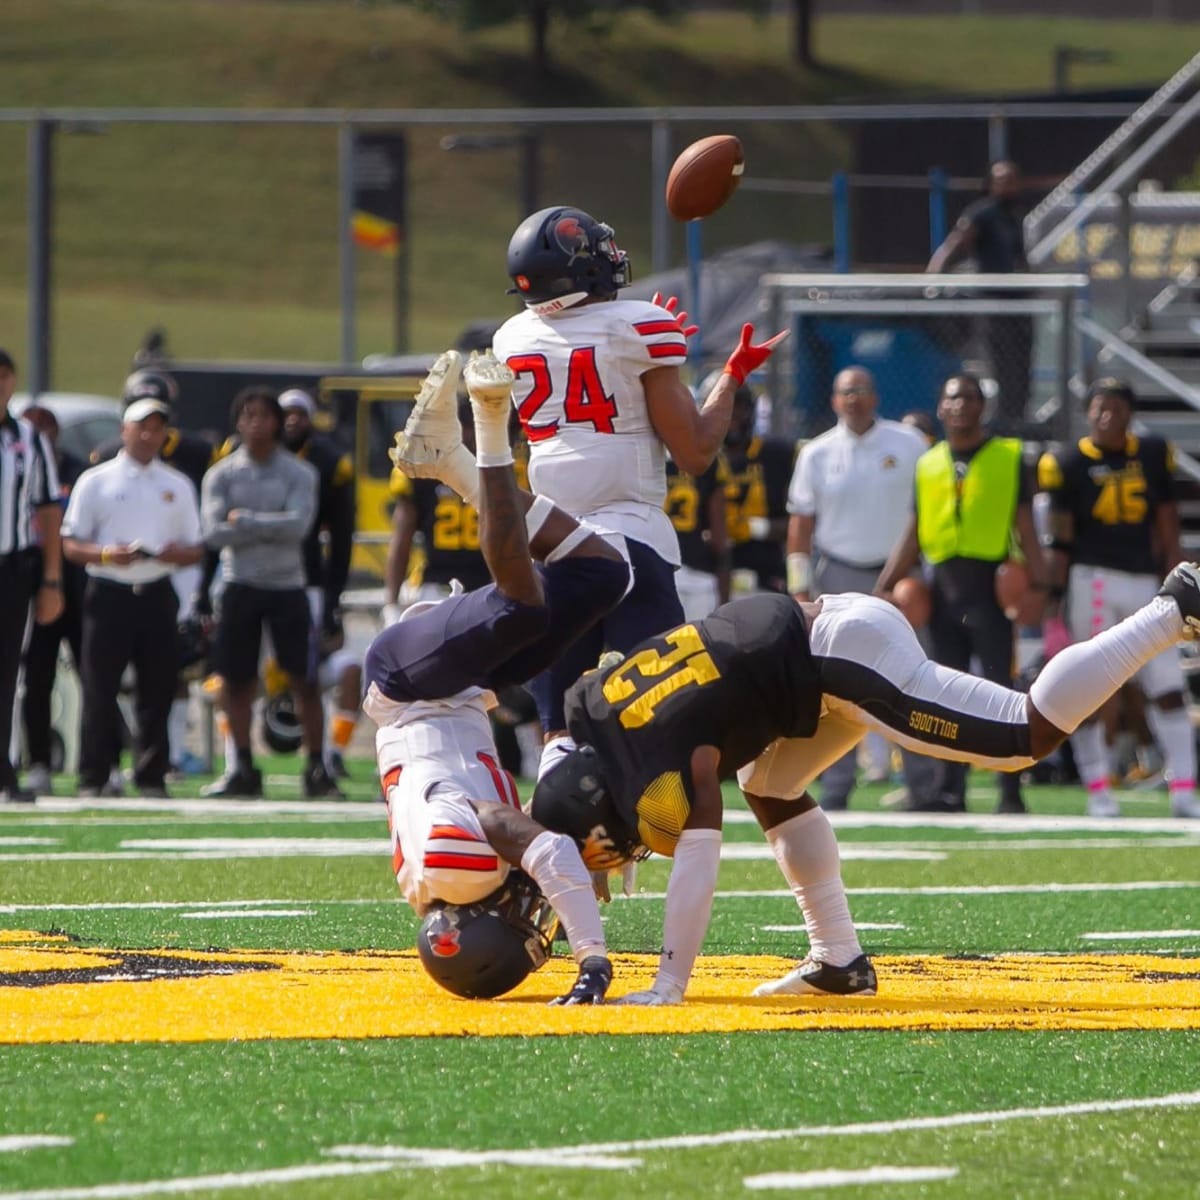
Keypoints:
pixel 972 519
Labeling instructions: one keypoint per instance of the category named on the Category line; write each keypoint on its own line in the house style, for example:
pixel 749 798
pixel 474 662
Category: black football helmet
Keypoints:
pixel 150 385
pixel 560 256
pixel 482 950
pixel 573 798
pixel 282 728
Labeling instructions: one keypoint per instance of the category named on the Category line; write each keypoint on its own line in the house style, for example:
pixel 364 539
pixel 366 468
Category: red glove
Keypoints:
pixel 670 305
pixel 748 357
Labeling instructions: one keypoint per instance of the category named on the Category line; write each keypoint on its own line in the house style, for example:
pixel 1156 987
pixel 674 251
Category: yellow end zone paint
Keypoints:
pixel 51 993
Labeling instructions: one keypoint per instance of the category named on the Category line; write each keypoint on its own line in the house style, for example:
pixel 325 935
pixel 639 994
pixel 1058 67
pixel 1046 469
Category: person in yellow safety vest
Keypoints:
pixel 973 495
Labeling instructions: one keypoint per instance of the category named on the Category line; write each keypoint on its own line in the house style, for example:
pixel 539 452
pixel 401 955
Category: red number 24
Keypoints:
pixel 584 399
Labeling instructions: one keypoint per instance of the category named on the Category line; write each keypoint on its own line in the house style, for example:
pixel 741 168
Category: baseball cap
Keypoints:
pixel 297 398
pixel 139 410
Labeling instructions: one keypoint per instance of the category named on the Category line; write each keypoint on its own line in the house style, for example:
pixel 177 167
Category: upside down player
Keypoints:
pixel 456 825
pixel 775 691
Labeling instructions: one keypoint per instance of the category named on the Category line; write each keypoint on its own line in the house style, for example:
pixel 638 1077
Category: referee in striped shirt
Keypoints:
pixel 30 553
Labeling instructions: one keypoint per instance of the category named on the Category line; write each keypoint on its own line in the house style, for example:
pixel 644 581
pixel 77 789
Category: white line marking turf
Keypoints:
pixel 1136 935
pixel 243 914
pixel 14 1142
pixel 804 1181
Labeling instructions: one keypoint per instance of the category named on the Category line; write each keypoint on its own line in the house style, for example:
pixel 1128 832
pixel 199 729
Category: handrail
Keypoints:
pixel 1115 140
pixel 1067 281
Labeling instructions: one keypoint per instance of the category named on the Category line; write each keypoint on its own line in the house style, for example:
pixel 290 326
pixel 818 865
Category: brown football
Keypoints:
pixel 704 176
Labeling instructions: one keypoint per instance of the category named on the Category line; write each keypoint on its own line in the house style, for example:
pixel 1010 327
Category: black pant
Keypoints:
pixel 958 632
pixel 41 669
pixel 17 575
pixel 123 625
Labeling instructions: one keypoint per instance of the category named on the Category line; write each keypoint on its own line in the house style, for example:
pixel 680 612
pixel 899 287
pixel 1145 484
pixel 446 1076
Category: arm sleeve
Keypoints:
pixel 214 509
pixel 654 340
pixel 300 510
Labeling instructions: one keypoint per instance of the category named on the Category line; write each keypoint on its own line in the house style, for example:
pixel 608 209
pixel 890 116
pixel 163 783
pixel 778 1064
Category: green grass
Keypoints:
pixel 227 236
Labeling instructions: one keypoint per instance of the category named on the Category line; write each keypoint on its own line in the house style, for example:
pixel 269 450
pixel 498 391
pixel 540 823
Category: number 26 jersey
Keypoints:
pixel 579 396
pixel 738 680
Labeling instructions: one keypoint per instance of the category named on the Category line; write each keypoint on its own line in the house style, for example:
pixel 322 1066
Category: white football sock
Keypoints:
pixel 457 470
pixel 1091 755
pixel 1172 729
pixel 1077 680
pixel 553 862
pixel 806 850
pixel 177 729
pixel 689 905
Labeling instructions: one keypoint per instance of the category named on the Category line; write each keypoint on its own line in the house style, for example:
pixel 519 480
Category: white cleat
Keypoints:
pixel 489 382
pixel 1185 805
pixel 432 432
pixel 815 978
pixel 1183 586
pixel 1103 804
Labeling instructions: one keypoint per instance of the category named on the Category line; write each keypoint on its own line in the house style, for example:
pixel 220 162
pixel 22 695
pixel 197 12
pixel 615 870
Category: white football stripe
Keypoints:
pixel 14 1142
pixel 1136 935
pixel 243 914
pixel 803 1181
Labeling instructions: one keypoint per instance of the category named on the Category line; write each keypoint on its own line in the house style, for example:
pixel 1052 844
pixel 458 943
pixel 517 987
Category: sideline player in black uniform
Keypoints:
pixel 1114 528
pixel 760 471
pixel 697 508
pixel 775 691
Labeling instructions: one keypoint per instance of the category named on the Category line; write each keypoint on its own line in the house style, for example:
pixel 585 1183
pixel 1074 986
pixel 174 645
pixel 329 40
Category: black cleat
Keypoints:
pixel 591 985
pixel 1183 586
pixel 235 785
pixel 318 783
pixel 814 978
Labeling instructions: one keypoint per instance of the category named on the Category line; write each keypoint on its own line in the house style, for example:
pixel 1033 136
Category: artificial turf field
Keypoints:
pixel 203 998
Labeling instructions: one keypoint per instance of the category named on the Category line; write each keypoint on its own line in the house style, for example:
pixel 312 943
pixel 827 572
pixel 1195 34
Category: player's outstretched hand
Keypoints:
pixel 749 357
pixel 591 985
pixel 671 304
pixel 657 996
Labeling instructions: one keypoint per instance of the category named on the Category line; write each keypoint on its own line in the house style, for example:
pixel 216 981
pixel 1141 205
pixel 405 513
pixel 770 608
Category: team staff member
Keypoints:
pixel 849 499
pixel 972 495
pixel 697 508
pixel 1114 526
pixel 257 506
pixel 131 522
pixel 30 553
pixel 760 470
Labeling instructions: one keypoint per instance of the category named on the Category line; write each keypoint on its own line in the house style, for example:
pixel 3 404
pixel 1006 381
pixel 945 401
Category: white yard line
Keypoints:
pixel 1137 935
pixel 15 1142
pixel 806 1181
pixel 243 914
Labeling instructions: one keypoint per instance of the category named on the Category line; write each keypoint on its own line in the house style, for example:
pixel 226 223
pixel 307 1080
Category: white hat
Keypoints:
pixel 139 410
pixel 297 398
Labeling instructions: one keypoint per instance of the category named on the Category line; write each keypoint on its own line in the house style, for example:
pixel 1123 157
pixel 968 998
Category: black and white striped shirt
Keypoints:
pixel 28 481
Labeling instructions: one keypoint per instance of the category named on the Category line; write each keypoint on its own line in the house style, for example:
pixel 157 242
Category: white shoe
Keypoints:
pixel 432 432
pixel 811 977
pixel 1103 804
pixel 490 383
pixel 1182 805
pixel 38 781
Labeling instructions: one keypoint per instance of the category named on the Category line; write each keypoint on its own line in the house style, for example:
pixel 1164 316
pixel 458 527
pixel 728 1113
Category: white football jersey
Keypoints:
pixel 578 392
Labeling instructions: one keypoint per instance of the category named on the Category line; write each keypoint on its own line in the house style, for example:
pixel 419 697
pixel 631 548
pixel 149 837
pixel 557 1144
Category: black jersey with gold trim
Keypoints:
pixel 1112 496
pixel 759 476
pixel 687 505
pixel 449 529
pixel 737 680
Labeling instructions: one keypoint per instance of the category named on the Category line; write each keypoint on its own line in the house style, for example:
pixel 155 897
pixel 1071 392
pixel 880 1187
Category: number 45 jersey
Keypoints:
pixel 1112 496
pixel 579 395
pixel 738 680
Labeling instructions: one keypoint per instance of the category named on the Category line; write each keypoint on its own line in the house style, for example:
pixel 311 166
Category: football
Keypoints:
pixel 704 176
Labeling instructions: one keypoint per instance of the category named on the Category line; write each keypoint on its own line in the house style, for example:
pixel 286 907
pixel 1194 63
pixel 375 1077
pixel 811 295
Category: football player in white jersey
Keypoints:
pixel 600 397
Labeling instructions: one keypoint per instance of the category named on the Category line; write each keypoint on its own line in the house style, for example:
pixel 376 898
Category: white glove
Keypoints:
pixel 759 528
pixel 600 886
pixel 660 994
pixel 389 614
pixel 629 877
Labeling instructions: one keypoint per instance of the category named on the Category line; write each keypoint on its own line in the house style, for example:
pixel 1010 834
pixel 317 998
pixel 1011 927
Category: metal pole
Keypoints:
pixel 349 352
pixel 841 223
pixel 660 225
pixel 998 137
pixel 40 153
pixel 1066 334
pixel 937 208
pixel 695 260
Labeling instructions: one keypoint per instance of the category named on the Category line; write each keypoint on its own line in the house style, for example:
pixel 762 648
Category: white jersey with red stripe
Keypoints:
pixel 437 759
pixel 579 394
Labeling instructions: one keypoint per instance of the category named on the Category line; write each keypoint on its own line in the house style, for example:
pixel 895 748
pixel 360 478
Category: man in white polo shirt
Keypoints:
pixel 849 500
pixel 131 522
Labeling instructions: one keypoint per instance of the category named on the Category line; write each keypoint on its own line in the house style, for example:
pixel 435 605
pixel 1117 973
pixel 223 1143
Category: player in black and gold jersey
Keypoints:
pixel 697 508
pixel 775 691
pixel 760 470
pixel 1114 531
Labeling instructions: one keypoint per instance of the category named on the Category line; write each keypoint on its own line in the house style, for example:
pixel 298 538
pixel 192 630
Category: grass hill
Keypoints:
pixel 228 235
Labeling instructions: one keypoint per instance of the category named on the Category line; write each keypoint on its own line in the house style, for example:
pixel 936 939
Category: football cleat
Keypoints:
pixel 1184 804
pixel 489 382
pixel 814 978
pixel 1183 586
pixel 591 986
pixel 1103 804
pixel 432 431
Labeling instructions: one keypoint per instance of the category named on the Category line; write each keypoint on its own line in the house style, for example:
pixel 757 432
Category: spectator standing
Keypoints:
pixel 973 496
pixel 41 654
pixel 130 523
pixel 849 499
pixel 760 471
pixel 257 507
pixel 991 232
pixel 697 508
pixel 1114 534
pixel 30 554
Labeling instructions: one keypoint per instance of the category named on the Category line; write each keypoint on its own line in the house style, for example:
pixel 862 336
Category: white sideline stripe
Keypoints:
pixel 32 1141
pixel 244 914
pixel 29 841
pixel 192 806
pixel 882 852
pixel 104 906
pixel 548 1156
pixel 259 847
pixel 1136 935
pixel 804 1181
pixel 199 1183
pixel 860 925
